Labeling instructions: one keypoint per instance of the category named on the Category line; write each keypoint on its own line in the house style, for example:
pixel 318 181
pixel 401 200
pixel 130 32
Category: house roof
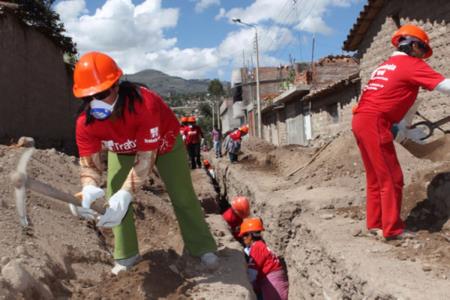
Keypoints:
pixel 362 25
pixel 324 90
pixel 286 96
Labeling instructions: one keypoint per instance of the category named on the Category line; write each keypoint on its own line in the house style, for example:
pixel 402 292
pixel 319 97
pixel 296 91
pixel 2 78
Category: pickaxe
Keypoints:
pixel 21 182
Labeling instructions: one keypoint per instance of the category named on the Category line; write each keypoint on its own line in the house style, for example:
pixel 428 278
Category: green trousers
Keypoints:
pixel 174 171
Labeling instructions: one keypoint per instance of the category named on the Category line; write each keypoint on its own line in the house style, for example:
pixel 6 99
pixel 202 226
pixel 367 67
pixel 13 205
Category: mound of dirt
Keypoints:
pixel 60 256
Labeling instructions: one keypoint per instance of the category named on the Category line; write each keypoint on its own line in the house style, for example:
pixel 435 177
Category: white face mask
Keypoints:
pixel 100 109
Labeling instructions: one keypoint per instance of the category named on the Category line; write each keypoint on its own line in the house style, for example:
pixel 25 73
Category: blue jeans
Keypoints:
pixel 218 148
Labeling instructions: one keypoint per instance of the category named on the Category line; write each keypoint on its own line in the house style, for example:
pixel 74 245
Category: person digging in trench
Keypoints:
pixel 233 143
pixel 138 130
pixel 264 268
pixel 236 213
pixel 388 98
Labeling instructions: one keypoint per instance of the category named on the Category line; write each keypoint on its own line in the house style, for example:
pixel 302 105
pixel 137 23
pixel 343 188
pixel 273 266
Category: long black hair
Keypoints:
pixel 129 93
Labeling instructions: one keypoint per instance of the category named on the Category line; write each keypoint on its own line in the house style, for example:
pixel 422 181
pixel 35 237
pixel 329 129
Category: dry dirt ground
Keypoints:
pixel 312 204
pixel 60 256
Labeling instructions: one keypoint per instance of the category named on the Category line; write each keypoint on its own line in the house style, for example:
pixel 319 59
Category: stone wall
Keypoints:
pixel 36 98
pixel 434 17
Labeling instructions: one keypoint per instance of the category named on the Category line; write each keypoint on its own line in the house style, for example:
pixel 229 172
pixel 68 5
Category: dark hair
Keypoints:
pixel 407 47
pixel 129 92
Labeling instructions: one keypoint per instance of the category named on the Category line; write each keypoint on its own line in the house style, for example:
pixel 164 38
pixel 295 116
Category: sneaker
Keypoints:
pixel 405 235
pixel 123 265
pixel 210 260
pixel 375 232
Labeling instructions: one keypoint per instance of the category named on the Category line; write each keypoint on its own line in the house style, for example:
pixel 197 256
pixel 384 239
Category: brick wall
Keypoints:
pixel 434 17
pixel 36 98
pixel 332 114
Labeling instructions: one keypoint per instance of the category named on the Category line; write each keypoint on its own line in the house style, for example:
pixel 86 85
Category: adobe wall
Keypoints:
pixel 36 98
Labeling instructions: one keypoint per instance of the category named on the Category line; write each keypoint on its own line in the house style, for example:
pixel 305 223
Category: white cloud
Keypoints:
pixel 221 14
pixel 202 5
pixel 71 9
pixel 134 36
pixel 306 15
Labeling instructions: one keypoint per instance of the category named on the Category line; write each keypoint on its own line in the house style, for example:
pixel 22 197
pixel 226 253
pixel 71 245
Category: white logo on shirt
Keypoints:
pixel 117 147
pixel 154 136
pixel 379 74
pixel 154 133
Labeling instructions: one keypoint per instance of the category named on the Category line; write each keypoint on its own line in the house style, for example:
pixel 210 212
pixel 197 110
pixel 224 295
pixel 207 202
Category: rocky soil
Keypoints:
pixel 312 205
pixel 60 256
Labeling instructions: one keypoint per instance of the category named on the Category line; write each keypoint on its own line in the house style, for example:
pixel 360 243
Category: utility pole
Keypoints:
pixel 258 96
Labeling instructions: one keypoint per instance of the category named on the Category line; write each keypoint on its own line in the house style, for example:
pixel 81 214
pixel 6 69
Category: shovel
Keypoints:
pixel 429 126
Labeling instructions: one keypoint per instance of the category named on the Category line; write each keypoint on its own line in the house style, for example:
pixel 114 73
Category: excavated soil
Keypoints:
pixel 60 256
pixel 312 204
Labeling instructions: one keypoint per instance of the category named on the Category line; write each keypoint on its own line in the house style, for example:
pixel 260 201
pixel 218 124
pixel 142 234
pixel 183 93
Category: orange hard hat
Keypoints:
pixel 95 72
pixel 251 225
pixel 184 119
pixel 414 31
pixel 241 206
pixel 244 128
pixel 206 163
pixel 191 119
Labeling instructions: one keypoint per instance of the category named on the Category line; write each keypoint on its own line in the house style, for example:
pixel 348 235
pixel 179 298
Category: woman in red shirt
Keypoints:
pixel 138 130
pixel 265 270
pixel 386 99
pixel 239 210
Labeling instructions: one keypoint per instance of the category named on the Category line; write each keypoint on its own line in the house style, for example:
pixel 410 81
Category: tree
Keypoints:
pixel 40 15
pixel 215 88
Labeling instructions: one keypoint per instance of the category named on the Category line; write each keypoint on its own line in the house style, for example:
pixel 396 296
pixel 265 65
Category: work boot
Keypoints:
pixel 123 265
pixel 405 235
pixel 210 260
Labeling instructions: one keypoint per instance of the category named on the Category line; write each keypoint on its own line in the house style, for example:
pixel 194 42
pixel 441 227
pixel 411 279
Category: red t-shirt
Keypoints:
pixel 153 126
pixel 236 135
pixel 193 134
pixel 394 85
pixel 263 259
pixel 233 220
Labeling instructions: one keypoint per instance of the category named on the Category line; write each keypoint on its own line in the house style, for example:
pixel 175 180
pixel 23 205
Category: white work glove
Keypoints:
pixel 118 206
pixel 404 133
pixel 416 134
pixel 91 193
pixel 85 213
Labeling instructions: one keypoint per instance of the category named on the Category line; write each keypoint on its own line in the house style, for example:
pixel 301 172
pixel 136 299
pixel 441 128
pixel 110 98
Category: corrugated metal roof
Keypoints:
pixel 362 24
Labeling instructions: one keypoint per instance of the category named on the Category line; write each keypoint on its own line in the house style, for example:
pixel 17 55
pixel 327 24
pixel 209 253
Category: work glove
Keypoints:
pixel 402 133
pixel 85 213
pixel 118 207
pixel 91 193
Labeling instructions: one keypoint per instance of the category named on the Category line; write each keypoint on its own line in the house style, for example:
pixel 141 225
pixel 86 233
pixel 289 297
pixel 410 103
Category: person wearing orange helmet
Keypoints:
pixel 264 267
pixel 194 138
pixel 209 170
pixel 239 210
pixel 387 98
pixel 233 142
pixel 138 130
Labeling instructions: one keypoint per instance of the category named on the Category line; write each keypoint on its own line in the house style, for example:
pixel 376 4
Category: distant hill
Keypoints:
pixel 165 84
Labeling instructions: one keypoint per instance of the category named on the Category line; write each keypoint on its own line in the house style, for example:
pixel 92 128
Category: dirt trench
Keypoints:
pixel 311 203
pixel 62 257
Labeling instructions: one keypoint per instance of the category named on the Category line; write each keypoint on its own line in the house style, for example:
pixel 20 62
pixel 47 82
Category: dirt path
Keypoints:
pixel 315 216
pixel 63 257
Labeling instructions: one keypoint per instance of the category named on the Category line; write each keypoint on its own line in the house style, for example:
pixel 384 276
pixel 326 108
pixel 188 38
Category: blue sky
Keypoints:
pixel 197 39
